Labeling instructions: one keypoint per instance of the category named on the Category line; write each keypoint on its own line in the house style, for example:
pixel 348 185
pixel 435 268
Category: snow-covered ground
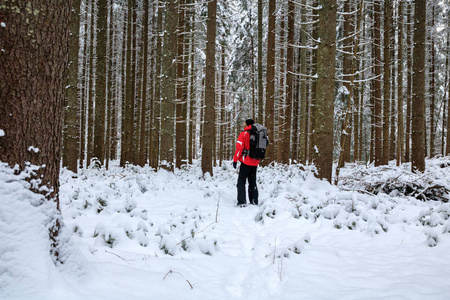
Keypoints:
pixel 137 234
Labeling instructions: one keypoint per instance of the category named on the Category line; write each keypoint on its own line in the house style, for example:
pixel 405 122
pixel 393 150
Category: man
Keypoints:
pixel 247 169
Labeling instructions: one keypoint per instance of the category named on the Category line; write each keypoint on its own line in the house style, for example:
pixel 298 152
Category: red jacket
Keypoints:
pixel 243 143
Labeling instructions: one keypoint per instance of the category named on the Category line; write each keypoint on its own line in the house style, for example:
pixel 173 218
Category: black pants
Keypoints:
pixel 247 172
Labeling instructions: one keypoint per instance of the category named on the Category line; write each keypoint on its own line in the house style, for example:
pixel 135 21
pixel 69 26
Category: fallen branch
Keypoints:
pixel 170 272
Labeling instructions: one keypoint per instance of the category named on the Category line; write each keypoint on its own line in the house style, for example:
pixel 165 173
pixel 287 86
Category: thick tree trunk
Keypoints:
pixel 33 66
pixel 303 142
pixel 410 48
pixel 210 93
pixel 418 117
pixel 324 110
pixel 432 87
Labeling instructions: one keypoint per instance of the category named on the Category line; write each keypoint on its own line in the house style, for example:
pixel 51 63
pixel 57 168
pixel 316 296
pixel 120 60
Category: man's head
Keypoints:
pixel 249 122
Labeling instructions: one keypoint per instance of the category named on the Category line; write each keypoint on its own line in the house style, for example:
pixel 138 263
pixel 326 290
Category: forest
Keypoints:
pixel 118 126
pixel 168 82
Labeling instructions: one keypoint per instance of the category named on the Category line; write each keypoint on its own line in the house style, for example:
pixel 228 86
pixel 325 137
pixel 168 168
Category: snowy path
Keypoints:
pixel 158 236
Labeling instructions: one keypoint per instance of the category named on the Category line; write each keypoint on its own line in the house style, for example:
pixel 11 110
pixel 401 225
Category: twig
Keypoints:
pixel 170 272
pixel 195 233
pixel 116 255
pixel 217 211
pixel 275 250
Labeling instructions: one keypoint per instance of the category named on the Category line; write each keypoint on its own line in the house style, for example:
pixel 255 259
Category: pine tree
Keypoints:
pixel 71 138
pixel 324 110
pixel 33 65
pixel 418 117
pixel 210 94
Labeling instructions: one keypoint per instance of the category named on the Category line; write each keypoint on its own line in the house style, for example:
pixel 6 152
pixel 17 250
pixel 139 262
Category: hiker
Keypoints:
pixel 247 169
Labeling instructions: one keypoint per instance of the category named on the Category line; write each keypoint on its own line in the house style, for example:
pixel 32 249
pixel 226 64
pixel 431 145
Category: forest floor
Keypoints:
pixel 138 234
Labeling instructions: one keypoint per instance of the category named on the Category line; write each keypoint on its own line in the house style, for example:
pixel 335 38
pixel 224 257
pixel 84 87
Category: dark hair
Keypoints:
pixel 249 122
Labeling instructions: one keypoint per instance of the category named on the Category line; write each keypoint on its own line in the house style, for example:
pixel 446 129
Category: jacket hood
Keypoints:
pixel 248 127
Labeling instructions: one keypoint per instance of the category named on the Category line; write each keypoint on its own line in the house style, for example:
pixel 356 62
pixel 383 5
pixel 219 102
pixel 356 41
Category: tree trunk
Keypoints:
pixel 286 144
pixel 432 86
pixel 156 118
pixel 409 83
pixel 143 123
pixel 270 85
pixel 260 117
pixel 400 128
pixel 324 110
pixel 377 87
pixel 181 133
pixel 387 82
pixel 71 147
pixel 210 94
pixel 91 90
pixel 418 118
pixel 303 143
pixel 168 84
pixel 100 84
pixel 33 67
pixel 128 113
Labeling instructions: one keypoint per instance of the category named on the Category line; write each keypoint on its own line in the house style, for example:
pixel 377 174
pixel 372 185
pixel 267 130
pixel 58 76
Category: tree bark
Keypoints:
pixel 270 84
pixel 100 85
pixel 387 83
pixel 260 117
pixel 400 128
pixel 377 87
pixel 181 130
pixel 71 147
pixel 210 94
pixel 324 110
pixel 418 117
pixel 33 65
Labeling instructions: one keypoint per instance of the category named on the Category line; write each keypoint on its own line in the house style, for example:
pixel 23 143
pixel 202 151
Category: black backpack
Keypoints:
pixel 258 141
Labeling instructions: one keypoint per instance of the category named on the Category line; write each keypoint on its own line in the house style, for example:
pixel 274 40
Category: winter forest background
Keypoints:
pixel 98 92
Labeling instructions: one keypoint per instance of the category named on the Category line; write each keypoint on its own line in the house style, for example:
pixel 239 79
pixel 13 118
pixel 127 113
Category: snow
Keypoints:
pixel 140 234
pixel 2 24
pixel 33 149
pixel 2 132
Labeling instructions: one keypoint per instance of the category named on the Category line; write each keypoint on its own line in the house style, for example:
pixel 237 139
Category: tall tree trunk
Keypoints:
pixel 324 110
pixel 377 87
pixel 418 117
pixel 286 141
pixel 168 85
pixel 100 84
pixel 156 118
pixel 222 120
pixel 90 99
pixel 128 113
pixel 210 94
pixel 303 144
pixel 387 82
pixel 270 85
pixel 71 147
pixel 260 117
pixel 432 85
pixel 33 64
pixel 400 128
pixel 349 70
pixel 409 36
pixel 181 133
pixel 191 78
pixel 447 148
pixel 142 126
